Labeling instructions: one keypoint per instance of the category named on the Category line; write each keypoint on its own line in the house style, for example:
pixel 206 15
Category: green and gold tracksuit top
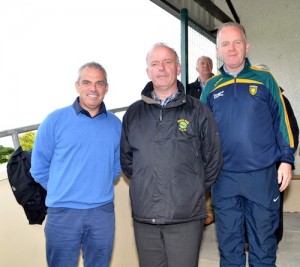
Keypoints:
pixel 251 117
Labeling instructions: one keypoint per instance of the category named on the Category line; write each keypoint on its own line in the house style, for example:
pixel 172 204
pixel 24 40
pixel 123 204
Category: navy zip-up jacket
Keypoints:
pixel 251 118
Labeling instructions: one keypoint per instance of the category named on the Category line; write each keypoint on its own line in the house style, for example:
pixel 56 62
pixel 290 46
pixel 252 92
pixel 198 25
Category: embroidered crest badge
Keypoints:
pixel 183 124
pixel 253 89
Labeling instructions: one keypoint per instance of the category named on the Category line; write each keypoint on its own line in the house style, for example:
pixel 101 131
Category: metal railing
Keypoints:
pixel 14 133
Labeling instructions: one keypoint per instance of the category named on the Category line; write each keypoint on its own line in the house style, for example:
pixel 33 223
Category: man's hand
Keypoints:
pixel 284 175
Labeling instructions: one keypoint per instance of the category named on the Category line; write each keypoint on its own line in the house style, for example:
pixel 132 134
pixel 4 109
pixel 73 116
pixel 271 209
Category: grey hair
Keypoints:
pixel 202 57
pixel 231 24
pixel 92 65
pixel 165 45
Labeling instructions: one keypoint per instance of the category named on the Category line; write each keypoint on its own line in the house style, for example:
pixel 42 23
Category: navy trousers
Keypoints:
pixel 247 199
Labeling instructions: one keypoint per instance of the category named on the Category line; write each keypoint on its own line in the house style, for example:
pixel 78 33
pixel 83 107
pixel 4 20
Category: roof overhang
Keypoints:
pixel 202 12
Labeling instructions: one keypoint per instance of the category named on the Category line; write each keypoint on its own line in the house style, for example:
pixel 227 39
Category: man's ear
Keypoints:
pixel 77 87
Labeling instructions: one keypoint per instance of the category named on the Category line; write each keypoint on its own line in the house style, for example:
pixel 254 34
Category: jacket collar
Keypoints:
pixel 245 69
pixel 178 100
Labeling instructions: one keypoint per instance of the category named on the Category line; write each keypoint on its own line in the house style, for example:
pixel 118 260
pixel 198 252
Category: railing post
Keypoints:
pixel 184 47
pixel 16 141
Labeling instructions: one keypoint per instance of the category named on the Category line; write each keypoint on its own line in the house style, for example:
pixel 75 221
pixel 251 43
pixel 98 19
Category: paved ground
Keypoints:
pixel 288 254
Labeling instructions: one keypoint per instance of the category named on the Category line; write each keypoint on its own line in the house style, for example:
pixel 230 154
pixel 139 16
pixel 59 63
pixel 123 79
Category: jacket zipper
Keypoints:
pixel 160 115
pixel 235 87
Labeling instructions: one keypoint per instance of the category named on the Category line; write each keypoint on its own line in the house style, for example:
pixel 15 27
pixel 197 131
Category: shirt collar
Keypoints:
pixel 164 102
pixel 201 83
pixel 234 74
pixel 79 109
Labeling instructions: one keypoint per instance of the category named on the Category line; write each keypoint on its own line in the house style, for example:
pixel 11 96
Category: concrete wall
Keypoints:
pixel 23 245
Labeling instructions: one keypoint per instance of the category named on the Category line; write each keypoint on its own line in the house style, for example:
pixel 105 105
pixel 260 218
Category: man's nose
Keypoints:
pixel 162 65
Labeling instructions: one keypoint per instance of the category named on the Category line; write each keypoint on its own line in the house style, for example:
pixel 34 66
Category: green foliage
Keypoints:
pixel 5 153
pixel 27 140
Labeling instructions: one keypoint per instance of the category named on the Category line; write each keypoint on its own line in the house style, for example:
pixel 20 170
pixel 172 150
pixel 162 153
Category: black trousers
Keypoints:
pixel 173 245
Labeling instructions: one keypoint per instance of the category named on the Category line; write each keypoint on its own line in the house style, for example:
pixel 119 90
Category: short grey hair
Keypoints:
pixel 92 65
pixel 204 57
pixel 231 24
pixel 165 45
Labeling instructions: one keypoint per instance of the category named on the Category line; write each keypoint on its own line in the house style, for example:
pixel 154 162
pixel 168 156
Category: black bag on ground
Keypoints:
pixel 28 193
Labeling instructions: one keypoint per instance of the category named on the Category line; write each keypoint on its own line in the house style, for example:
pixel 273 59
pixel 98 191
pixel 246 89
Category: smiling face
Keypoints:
pixel 232 47
pixel 163 67
pixel 91 87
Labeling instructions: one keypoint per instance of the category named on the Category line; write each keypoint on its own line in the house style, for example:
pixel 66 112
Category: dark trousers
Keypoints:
pixel 173 245
pixel 251 199
pixel 279 231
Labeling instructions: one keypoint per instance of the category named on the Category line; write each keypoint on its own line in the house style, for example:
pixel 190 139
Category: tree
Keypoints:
pixel 27 140
pixel 5 153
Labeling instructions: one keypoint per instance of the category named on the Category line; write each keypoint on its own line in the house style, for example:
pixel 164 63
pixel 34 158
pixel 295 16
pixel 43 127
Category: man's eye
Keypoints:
pixel 101 84
pixel 85 82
